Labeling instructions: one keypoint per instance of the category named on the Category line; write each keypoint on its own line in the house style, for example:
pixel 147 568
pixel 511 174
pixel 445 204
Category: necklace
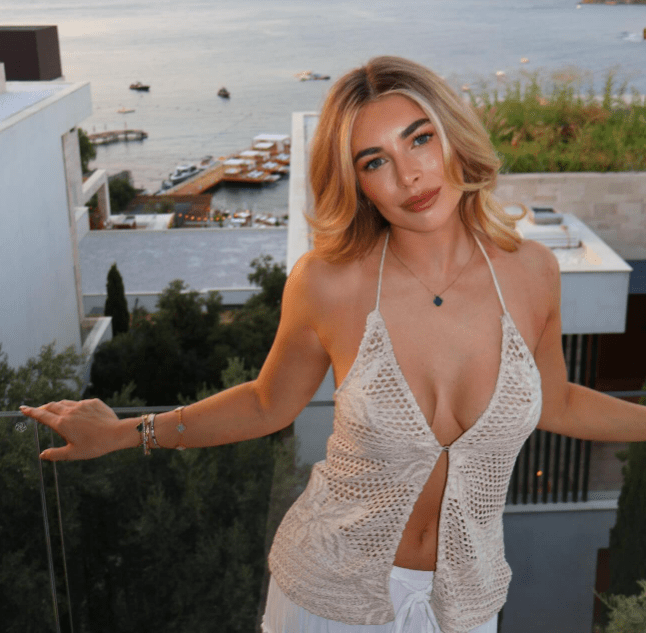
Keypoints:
pixel 437 298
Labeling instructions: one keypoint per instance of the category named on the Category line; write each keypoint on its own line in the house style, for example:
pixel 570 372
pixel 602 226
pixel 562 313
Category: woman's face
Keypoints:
pixel 398 161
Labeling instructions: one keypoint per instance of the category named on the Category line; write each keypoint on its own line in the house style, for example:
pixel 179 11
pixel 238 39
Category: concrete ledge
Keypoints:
pixel 100 332
pixel 231 297
pixel 81 215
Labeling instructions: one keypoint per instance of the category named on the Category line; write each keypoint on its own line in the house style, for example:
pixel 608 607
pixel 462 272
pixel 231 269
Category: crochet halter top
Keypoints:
pixel 334 550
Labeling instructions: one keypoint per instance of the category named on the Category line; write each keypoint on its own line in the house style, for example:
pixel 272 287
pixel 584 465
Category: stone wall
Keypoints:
pixel 613 205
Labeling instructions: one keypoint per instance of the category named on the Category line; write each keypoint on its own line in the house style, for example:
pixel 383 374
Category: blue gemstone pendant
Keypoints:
pixel 438 301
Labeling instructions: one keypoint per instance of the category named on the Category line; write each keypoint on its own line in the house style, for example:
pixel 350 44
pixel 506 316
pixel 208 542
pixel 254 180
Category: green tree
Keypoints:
pixel 49 376
pixel 121 194
pixel 116 305
pixel 87 150
pixel 627 541
pixel 172 354
pixel 24 577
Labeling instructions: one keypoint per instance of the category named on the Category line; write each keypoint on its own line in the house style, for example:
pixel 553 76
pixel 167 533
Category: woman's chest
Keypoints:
pixel 448 359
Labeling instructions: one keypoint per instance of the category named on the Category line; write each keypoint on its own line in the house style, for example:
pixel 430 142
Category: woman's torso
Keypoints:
pixel 449 355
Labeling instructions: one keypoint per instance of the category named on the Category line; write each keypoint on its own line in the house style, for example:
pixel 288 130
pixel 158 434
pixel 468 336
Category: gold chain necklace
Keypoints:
pixel 437 298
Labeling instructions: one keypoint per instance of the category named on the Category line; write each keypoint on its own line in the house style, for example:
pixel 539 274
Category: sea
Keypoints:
pixel 186 50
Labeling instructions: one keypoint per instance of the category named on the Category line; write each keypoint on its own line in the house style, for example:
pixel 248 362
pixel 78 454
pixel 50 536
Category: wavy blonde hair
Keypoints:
pixel 345 224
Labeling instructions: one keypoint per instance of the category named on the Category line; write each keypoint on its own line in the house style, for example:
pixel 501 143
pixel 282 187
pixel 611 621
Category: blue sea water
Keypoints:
pixel 186 50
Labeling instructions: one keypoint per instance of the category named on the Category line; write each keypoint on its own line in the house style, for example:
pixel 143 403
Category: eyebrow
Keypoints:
pixel 404 134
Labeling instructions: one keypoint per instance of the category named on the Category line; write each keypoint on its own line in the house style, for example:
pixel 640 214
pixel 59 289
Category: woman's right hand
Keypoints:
pixel 89 427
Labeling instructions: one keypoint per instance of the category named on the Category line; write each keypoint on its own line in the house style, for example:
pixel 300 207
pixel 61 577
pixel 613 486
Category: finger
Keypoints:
pixel 57 454
pixel 41 415
pixel 56 407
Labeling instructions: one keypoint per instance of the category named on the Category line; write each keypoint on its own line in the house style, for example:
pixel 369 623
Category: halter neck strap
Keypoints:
pixel 381 269
pixel 493 274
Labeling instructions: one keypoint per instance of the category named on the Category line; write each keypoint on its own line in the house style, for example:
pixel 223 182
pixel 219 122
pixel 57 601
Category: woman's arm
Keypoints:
pixel 293 370
pixel 571 409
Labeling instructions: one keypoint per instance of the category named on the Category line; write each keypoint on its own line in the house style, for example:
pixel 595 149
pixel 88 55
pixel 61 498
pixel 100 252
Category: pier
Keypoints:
pixel 200 183
pixel 117 136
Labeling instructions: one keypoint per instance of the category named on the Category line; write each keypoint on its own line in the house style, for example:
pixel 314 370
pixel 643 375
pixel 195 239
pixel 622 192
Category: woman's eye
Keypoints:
pixel 371 165
pixel 422 139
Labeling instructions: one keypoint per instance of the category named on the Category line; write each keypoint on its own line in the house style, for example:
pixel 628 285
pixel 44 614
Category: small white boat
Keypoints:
pixel 182 173
pixel 123 110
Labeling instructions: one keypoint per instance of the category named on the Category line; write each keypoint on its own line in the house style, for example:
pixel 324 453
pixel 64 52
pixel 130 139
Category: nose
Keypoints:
pixel 408 172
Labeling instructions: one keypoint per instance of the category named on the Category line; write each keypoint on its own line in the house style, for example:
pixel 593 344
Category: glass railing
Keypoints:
pixel 124 543
pixel 127 543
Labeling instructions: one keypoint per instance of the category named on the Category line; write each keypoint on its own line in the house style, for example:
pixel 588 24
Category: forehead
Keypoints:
pixel 387 115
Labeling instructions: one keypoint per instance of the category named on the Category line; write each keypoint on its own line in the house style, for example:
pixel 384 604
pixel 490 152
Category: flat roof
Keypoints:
pixel 19 96
pixel 205 259
pixel 23 97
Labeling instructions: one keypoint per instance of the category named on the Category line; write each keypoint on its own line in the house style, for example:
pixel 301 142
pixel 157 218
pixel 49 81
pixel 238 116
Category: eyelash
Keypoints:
pixel 427 135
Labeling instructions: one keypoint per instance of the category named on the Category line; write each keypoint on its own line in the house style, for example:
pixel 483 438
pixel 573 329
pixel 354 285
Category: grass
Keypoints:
pixel 555 127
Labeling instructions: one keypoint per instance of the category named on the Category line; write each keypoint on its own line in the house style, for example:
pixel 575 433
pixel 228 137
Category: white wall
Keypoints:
pixel 38 291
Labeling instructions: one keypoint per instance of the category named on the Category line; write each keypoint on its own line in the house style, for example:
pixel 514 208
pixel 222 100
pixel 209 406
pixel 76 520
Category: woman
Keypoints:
pixel 443 331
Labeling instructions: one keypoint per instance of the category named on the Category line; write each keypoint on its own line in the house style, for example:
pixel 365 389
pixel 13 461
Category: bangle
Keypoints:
pixel 144 428
pixel 151 418
pixel 181 428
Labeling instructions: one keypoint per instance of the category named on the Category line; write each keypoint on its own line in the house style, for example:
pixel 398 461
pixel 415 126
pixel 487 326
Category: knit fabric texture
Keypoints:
pixel 334 550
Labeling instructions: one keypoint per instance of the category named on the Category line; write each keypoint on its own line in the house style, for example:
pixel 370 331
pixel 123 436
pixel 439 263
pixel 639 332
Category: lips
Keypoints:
pixel 423 201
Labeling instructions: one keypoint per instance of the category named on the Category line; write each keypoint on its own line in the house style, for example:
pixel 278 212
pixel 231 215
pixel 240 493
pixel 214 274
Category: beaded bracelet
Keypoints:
pixel 181 428
pixel 144 428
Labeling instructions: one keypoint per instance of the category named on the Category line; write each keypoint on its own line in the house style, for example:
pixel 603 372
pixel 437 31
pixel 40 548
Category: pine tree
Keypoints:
pixel 116 305
pixel 627 540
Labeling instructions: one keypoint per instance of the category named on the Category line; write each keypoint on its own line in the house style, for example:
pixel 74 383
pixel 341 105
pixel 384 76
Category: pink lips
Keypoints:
pixel 423 201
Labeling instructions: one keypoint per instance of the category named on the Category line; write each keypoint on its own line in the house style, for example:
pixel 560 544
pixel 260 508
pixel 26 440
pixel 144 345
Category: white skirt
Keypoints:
pixel 410 590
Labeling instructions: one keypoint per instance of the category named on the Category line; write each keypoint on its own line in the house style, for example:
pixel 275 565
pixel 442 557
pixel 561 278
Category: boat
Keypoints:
pixel 182 173
pixel 123 110
pixel 139 86
pixel 224 93
pixel 308 75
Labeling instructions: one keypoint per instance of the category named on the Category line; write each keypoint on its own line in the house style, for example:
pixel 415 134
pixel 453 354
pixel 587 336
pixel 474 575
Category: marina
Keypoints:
pixel 265 163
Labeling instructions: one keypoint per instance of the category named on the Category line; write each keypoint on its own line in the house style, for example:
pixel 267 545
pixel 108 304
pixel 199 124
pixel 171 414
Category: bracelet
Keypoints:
pixel 151 417
pixel 181 428
pixel 144 429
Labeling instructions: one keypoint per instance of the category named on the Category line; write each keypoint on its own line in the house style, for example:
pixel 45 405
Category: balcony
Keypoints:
pixel 105 549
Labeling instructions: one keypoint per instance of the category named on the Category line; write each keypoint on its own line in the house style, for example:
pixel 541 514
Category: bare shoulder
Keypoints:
pixel 541 268
pixel 530 276
pixel 323 286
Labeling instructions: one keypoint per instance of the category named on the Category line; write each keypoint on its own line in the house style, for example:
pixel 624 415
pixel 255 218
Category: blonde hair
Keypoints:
pixel 345 224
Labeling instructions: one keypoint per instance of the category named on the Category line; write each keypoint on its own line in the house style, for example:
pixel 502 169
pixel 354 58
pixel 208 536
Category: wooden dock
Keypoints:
pixel 117 136
pixel 205 180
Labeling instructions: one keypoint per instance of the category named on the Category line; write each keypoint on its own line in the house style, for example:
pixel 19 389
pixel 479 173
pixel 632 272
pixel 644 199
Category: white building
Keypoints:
pixel 43 218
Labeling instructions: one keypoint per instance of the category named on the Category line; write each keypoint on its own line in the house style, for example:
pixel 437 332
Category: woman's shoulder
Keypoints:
pixel 326 285
pixel 533 273
pixel 532 260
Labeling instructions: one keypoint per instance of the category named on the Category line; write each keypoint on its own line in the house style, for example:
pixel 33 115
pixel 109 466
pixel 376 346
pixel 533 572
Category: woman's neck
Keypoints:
pixel 435 255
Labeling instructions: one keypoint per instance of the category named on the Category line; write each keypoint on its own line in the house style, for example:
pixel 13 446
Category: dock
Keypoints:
pixel 117 136
pixel 205 180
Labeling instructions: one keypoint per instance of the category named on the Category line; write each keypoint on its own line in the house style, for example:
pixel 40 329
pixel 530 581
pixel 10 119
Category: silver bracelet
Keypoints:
pixel 151 418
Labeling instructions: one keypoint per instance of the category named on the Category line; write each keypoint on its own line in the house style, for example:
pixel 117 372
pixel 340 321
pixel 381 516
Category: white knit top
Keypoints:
pixel 334 550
